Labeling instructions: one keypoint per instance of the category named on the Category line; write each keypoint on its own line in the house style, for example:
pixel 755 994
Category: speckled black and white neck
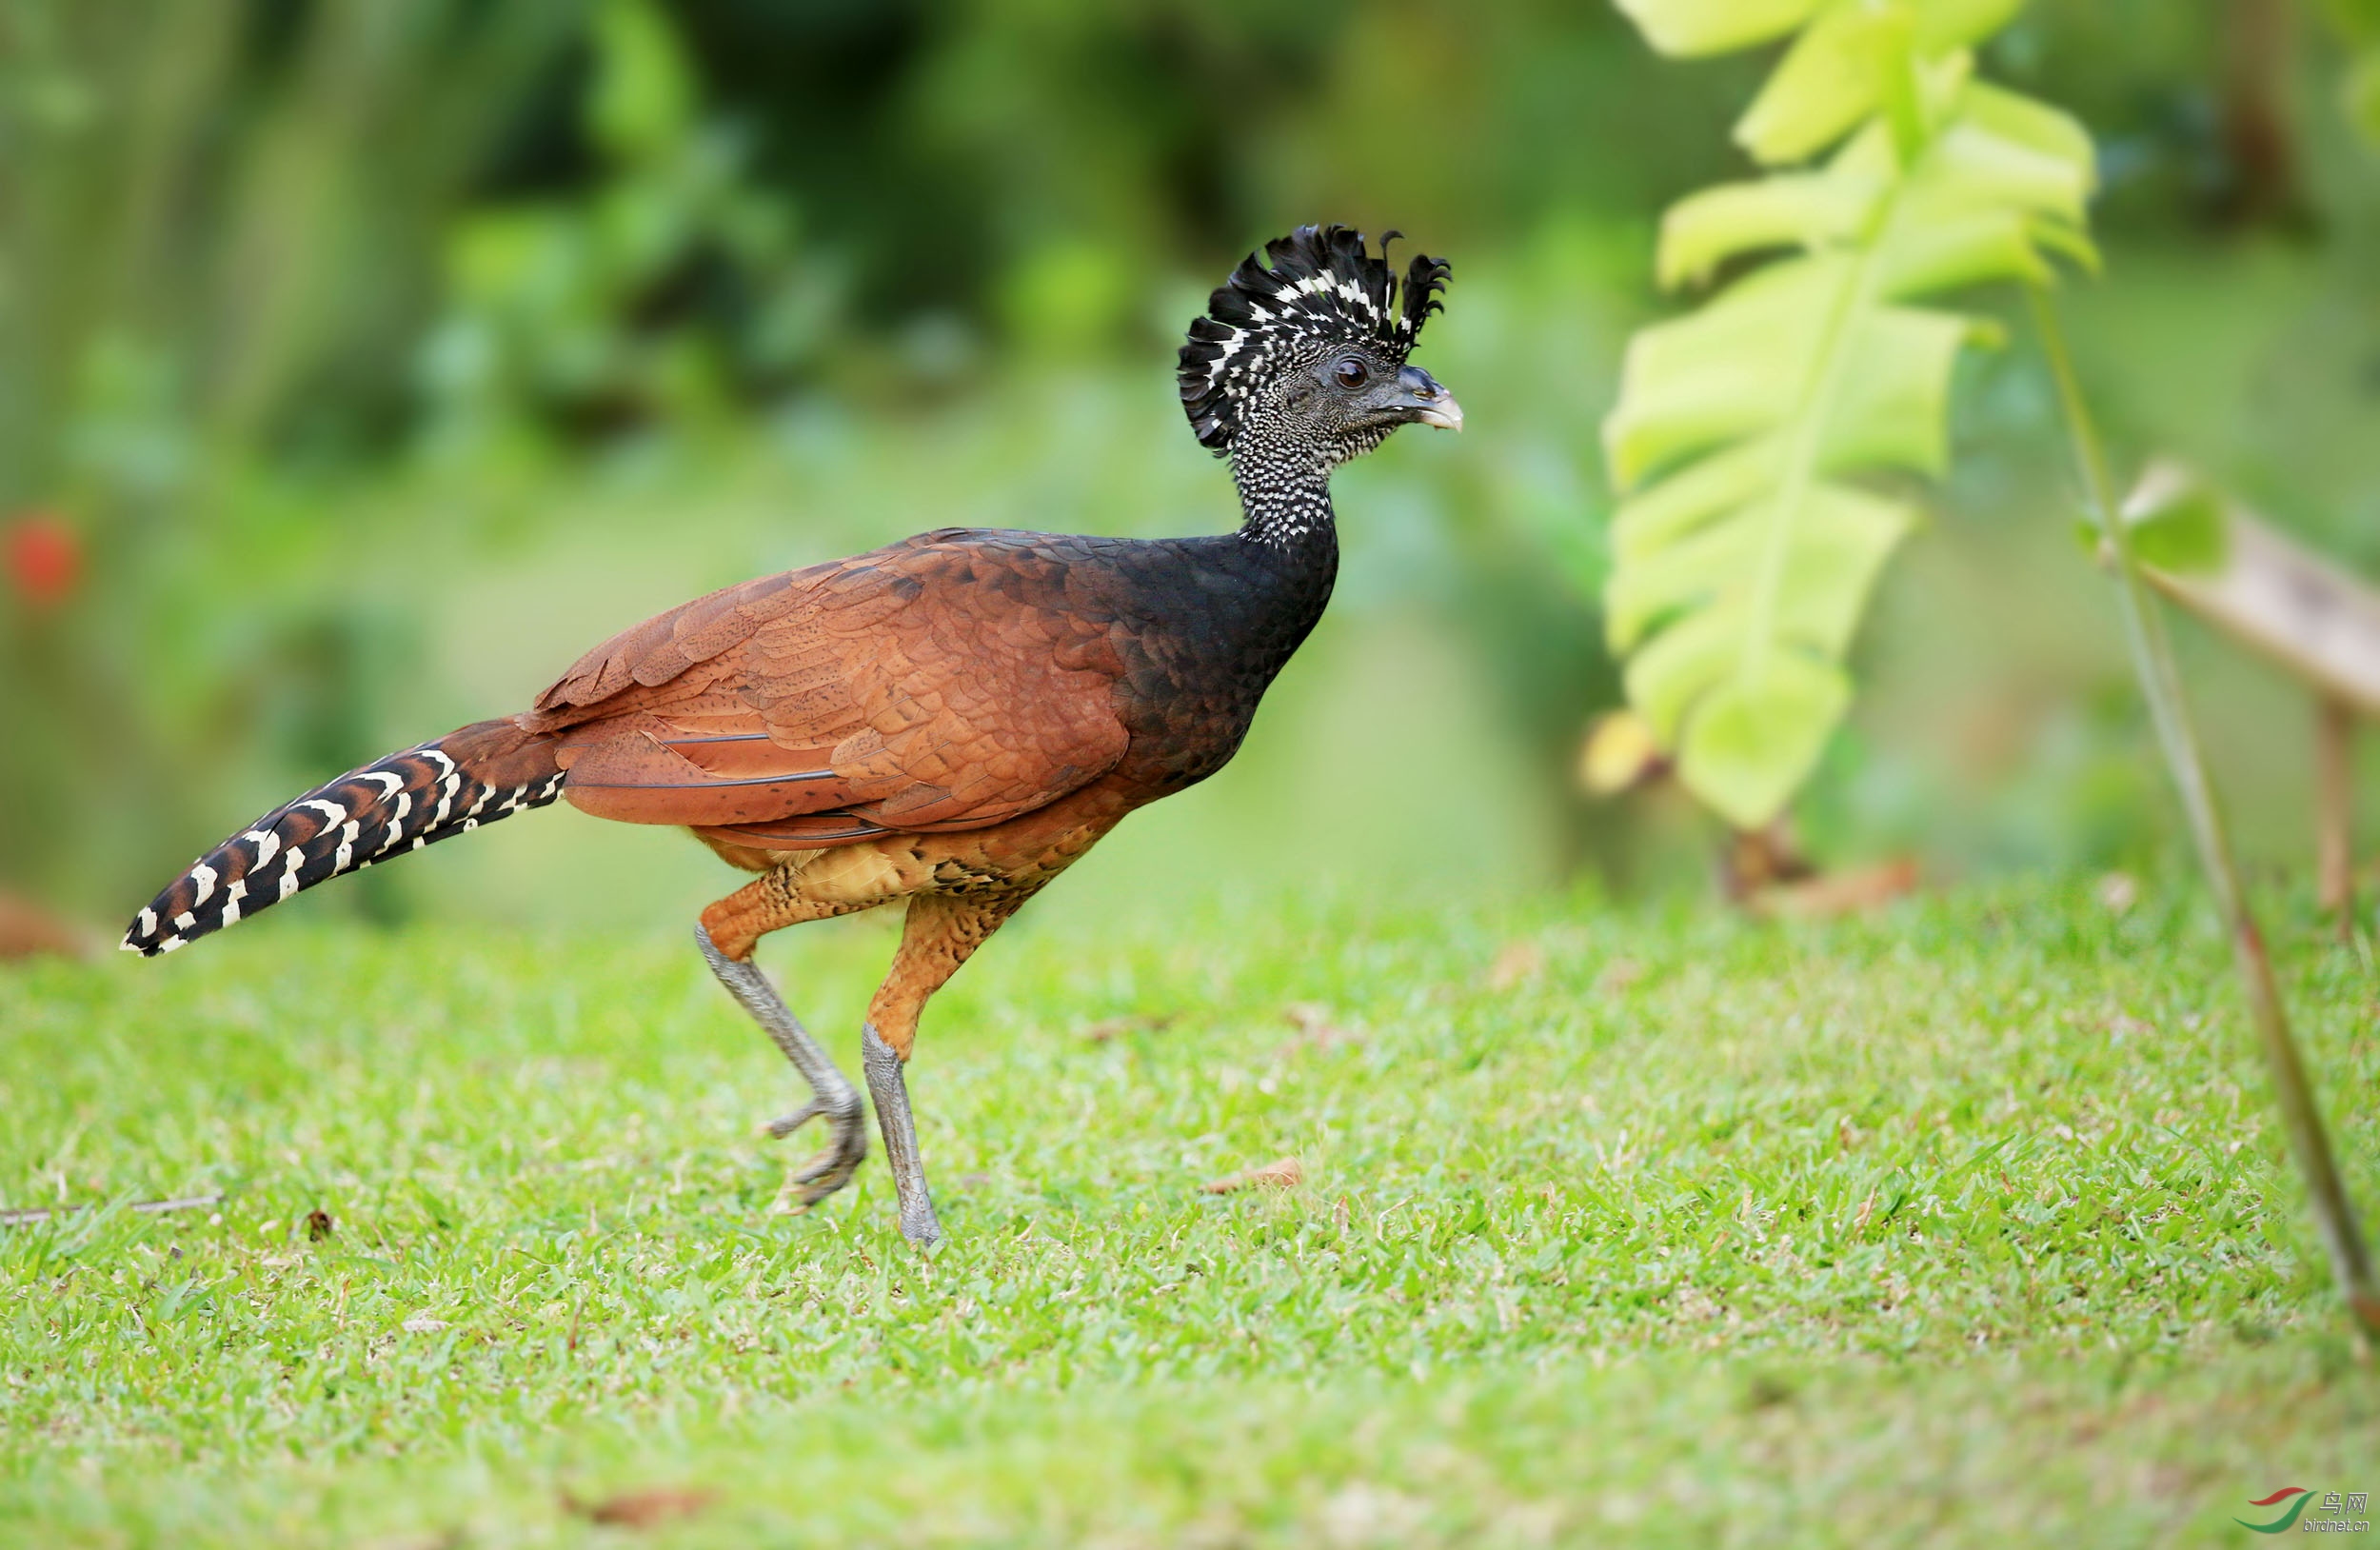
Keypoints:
pixel 1298 365
pixel 1284 495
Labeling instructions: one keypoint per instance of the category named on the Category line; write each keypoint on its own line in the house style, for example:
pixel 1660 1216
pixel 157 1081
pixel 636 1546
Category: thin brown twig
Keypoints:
pixel 27 1216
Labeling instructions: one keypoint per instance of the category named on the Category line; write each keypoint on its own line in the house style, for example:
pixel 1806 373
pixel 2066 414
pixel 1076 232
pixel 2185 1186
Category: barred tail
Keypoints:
pixel 420 796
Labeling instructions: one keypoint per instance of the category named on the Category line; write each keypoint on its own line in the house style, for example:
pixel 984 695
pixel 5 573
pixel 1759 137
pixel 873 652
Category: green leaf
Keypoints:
pixel 1802 209
pixel 1750 435
pixel 2186 534
pixel 643 100
pixel 1964 250
pixel 1830 80
pixel 1891 409
pixel 1695 495
pixel 2035 126
pixel 2361 94
pixel 1757 740
pixel 2358 21
pixel 1714 26
pixel 1944 25
pixel 1841 536
pixel 1729 370
pixel 1737 369
pixel 1688 27
pixel 1978 164
pixel 2004 180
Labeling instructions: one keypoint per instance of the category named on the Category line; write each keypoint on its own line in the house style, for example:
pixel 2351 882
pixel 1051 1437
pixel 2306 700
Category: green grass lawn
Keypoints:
pixel 1965 1224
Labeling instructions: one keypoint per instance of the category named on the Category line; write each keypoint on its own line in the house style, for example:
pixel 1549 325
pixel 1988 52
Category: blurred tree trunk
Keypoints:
pixel 2259 147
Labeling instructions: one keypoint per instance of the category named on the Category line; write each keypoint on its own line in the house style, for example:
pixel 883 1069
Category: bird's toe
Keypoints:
pixel 785 1124
pixel 845 1149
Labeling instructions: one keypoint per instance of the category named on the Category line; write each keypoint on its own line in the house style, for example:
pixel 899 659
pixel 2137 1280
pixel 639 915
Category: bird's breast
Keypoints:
pixel 1194 673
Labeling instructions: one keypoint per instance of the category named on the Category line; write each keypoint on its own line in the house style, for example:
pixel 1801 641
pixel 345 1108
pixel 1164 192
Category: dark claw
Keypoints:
pixel 847 1147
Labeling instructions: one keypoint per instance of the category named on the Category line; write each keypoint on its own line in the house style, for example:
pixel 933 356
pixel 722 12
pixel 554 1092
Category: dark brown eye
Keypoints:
pixel 1351 373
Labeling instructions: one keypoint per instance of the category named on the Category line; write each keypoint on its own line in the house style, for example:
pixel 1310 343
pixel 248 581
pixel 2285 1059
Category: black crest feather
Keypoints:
pixel 1318 286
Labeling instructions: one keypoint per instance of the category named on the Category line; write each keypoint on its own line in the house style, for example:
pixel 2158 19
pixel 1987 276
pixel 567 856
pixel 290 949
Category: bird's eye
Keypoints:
pixel 1351 373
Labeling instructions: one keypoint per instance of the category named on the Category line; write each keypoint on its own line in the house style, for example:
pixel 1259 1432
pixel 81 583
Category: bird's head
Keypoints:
pixel 1303 350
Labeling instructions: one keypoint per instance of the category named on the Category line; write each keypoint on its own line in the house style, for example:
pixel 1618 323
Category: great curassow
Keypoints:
pixel 952 720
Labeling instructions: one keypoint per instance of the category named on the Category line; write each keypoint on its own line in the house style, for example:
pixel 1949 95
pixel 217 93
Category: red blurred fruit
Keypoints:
pixel 45 558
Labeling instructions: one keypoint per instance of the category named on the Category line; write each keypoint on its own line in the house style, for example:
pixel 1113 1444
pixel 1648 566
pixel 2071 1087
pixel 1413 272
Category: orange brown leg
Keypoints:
pixel 726 934
pixel 942 932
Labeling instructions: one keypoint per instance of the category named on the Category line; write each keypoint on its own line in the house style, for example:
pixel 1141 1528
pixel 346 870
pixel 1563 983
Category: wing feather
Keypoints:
pixel 949 682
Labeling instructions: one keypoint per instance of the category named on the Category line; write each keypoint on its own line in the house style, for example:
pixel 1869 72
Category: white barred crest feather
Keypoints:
pixel 1315 287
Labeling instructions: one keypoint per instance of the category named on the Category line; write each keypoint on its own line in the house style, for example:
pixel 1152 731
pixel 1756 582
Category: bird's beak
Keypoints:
pixel 1427 401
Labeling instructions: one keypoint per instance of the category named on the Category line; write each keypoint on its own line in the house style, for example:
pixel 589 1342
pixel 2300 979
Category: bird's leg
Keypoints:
pixel 940 933
pixel 890 1090
pixel 831 1094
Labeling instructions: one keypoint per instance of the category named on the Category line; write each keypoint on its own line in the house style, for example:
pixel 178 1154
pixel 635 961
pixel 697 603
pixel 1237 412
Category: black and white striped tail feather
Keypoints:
pixel 412 797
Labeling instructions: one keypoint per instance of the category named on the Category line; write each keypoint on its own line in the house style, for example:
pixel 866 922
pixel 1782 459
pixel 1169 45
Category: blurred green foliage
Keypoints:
pixel 2358 22
pixel 218 230
pixel 380 358
pixel 666 285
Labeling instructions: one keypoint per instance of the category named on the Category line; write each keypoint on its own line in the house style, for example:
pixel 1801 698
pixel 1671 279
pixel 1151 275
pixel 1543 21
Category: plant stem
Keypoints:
pixel 2160 683
pixel 2335 808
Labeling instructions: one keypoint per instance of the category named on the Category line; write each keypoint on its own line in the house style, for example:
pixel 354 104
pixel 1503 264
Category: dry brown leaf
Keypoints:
pixel 24 1215
pixel 1618 975
pixel 2122 1025
pixel 1839 893
pixel 1282 1173
pixel 318 1225
pixel 26 930
pixel 1316 1027
pixel 1519 961
pixel 1100 1033
pixel 647 1508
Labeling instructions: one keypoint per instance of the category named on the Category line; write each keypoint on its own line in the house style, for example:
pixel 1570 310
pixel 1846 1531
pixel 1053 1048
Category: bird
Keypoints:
pixel 950 721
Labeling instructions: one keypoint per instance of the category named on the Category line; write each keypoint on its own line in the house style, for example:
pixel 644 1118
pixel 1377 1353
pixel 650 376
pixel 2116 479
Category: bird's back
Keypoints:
pixel 948 681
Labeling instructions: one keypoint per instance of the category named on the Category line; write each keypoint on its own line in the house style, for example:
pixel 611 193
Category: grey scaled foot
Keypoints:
pixel 832 1097
pixel 890 1088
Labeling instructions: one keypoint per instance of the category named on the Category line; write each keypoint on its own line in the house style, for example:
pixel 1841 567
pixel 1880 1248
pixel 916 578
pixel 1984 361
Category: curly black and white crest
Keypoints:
pixel 1316 289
